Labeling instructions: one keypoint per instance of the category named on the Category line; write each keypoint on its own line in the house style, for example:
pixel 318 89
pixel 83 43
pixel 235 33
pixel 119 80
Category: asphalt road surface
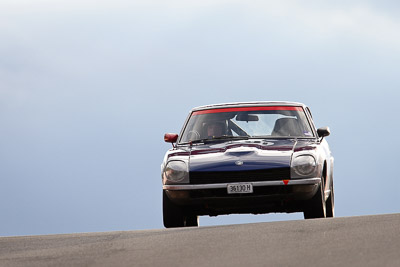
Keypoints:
pixel 347 241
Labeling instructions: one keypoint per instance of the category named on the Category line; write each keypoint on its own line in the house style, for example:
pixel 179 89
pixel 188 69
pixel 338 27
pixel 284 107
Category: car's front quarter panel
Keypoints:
pixel 175 154
pixel 322 154
pixel 329 160
pixel 307 148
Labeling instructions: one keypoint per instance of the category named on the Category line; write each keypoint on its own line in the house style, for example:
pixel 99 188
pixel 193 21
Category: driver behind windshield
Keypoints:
pixel 215 129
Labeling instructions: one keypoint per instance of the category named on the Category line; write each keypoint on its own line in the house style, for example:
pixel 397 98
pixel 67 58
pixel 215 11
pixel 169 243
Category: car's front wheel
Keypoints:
pixel 191 220
pixel 316 207
pixel 173 215
pixel 330 204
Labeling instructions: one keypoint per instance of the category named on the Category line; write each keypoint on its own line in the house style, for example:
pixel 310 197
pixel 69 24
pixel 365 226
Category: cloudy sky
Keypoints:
pixel 88 88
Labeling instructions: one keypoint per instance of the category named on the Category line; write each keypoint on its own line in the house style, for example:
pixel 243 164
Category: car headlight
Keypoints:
pixel 304 165
pixel 176 171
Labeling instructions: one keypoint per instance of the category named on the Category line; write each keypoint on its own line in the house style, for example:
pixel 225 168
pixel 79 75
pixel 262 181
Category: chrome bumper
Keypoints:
pixel 307 181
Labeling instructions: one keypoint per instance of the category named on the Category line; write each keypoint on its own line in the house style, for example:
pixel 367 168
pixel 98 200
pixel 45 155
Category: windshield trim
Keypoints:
pixel 296 107
pixel 221 110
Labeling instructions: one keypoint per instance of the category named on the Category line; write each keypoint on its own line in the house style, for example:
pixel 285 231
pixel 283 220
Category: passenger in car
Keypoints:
pixel 287 127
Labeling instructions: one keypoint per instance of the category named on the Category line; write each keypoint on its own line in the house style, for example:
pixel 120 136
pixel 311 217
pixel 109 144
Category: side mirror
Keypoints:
pixel 170 137
pixel 323 131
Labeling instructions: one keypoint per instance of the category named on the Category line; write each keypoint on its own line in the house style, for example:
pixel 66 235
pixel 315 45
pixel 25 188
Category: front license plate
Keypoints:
pixel 240 188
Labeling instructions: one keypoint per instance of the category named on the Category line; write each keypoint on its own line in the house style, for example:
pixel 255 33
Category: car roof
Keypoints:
pixel 249 104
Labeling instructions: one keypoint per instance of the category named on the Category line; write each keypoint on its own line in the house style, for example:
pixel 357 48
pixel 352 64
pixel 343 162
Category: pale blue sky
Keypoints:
pixel 88 88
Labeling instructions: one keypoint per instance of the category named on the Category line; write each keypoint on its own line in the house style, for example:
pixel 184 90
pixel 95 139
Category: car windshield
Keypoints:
pixel 247 122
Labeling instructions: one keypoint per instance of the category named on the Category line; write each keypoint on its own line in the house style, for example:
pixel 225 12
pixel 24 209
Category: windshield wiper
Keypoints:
pixel 220 138
pixel 198 141
pixel 229 137
pixel 215 138
pixel 272 137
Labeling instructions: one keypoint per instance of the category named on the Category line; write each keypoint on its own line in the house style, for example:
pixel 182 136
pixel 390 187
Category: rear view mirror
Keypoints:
pixel 246 117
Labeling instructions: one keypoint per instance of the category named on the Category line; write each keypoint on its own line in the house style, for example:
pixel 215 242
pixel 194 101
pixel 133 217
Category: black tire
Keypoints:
pixel 191 220
pixel 172 214
pixel 316 207
pixel 330 204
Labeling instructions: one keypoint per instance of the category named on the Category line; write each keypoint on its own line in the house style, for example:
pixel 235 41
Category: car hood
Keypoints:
pixel 244 155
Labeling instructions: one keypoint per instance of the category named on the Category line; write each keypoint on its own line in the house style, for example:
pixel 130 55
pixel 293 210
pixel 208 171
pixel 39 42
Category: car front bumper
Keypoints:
pixel 307 181
pixel 267 196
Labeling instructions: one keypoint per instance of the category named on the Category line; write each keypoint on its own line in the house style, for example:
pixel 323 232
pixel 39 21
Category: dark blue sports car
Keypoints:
pixel 256 157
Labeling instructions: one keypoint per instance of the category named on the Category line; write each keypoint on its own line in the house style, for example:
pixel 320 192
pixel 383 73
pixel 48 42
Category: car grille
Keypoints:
pixel 239 176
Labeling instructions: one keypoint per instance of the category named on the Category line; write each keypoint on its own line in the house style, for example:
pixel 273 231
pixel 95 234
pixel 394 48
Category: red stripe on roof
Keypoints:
pixel 220 110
